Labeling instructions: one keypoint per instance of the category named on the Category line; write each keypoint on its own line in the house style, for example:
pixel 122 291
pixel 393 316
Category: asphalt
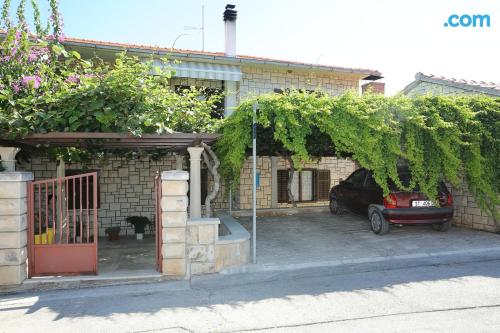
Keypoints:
pixel 455 294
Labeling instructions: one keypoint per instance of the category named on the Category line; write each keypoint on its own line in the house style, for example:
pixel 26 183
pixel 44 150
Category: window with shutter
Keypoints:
pixel 282 186
pixel 323 184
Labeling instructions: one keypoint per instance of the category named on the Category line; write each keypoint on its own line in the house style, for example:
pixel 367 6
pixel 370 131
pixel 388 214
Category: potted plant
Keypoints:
pixel 113 233
pixel 139 223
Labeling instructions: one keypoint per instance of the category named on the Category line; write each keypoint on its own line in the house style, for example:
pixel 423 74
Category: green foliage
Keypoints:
pixel 46 88
pixel 437 137
pixel 139 223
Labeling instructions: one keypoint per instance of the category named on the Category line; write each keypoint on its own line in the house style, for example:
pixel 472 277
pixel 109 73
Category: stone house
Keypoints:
pixel 125 187
pixel 467 213
pixel 239 76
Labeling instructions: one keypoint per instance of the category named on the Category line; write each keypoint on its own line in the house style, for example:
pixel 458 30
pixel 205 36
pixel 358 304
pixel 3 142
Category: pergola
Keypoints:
pixel 172 142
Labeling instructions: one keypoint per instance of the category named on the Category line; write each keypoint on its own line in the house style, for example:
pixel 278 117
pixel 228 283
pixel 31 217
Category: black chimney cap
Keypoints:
pixel 230 14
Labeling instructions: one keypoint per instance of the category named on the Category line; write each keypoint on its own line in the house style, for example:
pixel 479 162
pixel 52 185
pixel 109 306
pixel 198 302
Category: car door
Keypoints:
pixel 371 194
pixel 351 190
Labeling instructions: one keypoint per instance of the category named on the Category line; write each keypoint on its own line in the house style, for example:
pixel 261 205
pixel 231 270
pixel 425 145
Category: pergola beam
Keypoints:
pixel 171 141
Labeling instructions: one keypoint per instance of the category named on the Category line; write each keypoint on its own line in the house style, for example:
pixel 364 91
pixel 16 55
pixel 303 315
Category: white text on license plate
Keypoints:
pixel 422 203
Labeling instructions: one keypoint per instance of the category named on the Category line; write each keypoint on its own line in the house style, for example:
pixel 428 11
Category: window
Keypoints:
pixel 79 185
pixel 218 112
pixel 357 179
pixel 307 185
pixel 370 181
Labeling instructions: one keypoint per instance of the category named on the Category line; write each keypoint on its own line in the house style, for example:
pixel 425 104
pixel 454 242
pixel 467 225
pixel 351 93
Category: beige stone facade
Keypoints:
pixel 467 212
pixel 339 169
pixel 126 187
pixel 261 80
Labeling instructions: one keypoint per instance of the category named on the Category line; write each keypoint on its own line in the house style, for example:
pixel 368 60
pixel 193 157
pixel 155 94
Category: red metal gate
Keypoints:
pixel 62 225
pixel 158 225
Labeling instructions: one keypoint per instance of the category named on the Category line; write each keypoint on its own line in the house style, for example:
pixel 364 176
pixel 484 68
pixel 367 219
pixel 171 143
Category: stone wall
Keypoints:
pixel 126 186
pixel 13 224
pixel 339 169
pixel 202 235
pixel 174 204
pixel 261 80
pixel 467 213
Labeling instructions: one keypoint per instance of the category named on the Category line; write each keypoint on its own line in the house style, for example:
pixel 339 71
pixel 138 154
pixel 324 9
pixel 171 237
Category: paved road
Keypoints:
pixel 404 297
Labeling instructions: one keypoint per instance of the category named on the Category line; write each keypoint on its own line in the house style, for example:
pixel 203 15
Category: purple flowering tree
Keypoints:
pixel 44 87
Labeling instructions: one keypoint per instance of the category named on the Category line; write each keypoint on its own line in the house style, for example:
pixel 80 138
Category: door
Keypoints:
pixel 352 189
pixel 62 226
pixel 371 194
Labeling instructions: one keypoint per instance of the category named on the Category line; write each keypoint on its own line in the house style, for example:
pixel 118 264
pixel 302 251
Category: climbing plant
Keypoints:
pixel 435 137
pixel 46 88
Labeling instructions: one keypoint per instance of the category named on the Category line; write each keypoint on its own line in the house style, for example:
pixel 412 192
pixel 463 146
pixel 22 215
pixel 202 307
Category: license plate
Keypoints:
pixel 422 203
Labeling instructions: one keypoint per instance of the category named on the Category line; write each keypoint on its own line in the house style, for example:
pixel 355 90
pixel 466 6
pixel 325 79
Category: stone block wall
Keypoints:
pixel 202 235
pixel 260 80
pixel 174 205
pixel 13 225
pixel 467 213
pixel 339 169
pixel 126 186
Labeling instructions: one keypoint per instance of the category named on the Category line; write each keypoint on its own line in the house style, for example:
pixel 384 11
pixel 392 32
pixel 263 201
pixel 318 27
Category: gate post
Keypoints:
pixel 13 223
pixel 174 203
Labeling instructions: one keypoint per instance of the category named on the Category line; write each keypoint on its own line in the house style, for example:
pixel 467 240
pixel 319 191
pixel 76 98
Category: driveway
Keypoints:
pixel 316 239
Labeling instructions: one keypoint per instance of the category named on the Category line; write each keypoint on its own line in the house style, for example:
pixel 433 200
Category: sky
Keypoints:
pixel 397 37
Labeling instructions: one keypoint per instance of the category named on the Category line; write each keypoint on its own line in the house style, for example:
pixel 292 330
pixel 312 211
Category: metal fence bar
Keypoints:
pixel 87 210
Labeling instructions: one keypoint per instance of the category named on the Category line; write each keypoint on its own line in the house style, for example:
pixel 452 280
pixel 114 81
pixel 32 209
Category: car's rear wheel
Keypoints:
pixel 442 226
pixel 334 206
pixel 378 224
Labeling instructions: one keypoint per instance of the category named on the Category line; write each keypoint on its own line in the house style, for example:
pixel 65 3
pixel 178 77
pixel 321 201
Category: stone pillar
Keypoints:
pixel 8 158
pixel 195 182
pixel 13 224
pixel 174 205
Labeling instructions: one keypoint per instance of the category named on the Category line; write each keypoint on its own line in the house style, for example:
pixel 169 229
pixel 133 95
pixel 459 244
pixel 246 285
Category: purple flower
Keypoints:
pixel 15 87
pixel 73 79
pixel 31 81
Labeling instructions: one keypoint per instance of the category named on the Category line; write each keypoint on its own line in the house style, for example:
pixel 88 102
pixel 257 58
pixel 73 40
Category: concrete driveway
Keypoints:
pixel 321 239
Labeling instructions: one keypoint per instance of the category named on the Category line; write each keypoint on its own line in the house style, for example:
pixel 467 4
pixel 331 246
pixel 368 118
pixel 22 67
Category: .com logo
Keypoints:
pixel 468 21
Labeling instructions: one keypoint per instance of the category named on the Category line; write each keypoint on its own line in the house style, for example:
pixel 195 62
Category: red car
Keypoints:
pixel 361 194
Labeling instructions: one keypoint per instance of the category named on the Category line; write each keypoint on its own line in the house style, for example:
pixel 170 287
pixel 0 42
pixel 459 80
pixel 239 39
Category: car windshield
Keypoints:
pixel 405 178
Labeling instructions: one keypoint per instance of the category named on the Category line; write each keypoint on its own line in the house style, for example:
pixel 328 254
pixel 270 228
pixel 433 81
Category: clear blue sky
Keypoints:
pixel 397 37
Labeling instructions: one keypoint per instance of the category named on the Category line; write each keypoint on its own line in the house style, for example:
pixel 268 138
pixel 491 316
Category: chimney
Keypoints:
pixel 230 31
pixel 374 88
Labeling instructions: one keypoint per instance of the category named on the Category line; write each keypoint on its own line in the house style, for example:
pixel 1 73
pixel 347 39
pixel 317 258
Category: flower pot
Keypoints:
pixel 139 236
pixel 113 233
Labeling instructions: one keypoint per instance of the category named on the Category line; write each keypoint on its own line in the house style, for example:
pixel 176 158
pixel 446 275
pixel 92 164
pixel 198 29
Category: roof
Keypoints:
pixel 171 141
pixel 490 88
pixel 369 74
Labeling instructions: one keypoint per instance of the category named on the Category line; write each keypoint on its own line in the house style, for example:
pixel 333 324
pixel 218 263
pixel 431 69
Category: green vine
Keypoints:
pixel 436 137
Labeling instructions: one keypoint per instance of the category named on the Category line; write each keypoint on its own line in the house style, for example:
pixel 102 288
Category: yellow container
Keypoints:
pixel 50 236
pixel 42 239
